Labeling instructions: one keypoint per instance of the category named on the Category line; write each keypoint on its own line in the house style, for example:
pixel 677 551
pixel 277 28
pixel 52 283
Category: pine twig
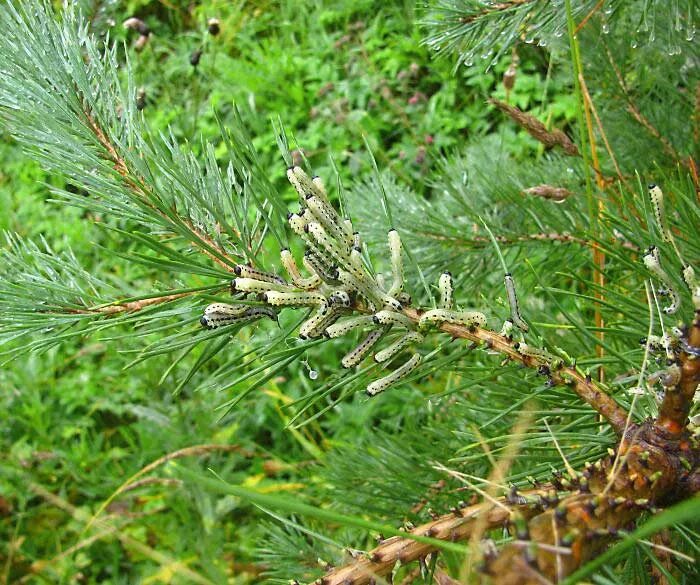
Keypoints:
pixel 536 129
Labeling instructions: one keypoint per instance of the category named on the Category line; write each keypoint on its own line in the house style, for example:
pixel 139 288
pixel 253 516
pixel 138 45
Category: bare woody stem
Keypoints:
pixel 586 388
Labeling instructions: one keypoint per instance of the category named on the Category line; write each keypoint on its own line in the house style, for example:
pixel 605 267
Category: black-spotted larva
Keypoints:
pixel 297 279
pixel 652 261
pixel 396 262
pixel 317 323
pixel 467 318
pixel 341 328
pixel 356 355
pixel 669 377
pixel 339 298
pixel 220 314
pixel 515 316
pixel 294 299
pixel 397 346
pixel 657 202
pixel 356 240
pixel 356 259
pixel 320 187
pixel 330 220
pixel 351 282
pixel 404 298
pixel 446 288
pixel 399 373
pixel 249 272
pixel 538 354
pixel 319 266
pixel 393 318
pixel 252 285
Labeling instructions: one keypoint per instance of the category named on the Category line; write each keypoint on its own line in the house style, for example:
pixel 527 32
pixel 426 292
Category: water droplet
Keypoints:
pixel 529 40
pixel 313 374
pixel 652 36
pixel 542 43
pixel 633 43
pixel 690 35
pixel 468 63
pixel 570 170
pixel 605 28
pixel 559 33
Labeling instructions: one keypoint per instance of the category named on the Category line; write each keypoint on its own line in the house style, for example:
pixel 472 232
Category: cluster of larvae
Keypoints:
pixel 340 289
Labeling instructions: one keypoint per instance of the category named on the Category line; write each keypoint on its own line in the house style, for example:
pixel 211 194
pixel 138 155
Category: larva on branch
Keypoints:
pixel 393 318
pixel 652 261
pixel 446 288
pixel 515 316
pixel 249 272
pixel 295 276
pixel 339 298
pixel 317 323
pixel 252 285
pixel 538 354
pixel 507 329
pixel 397 346
pixel 467 318
pixel 294 299
pixel 356 355
pixel 220 314
pixel 399 373
pixel 396 262
pixel 325 214
pixel 657 202
pixel 347 325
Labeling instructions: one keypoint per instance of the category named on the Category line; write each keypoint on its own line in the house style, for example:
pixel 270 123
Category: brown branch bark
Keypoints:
pixel 582 385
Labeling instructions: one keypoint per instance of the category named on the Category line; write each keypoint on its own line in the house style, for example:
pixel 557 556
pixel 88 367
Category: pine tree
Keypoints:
pixel 520 288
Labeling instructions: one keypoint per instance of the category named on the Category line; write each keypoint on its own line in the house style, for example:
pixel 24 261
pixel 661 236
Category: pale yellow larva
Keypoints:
pixel 385 317
pixel 342 327
pixel 396 262
pixel 356 355
pixel 538 354
pixel 397 346
pixel 507 329
pixel 467 318
pixel 294 299
pixel 339 298
pixel 249 272
pixel 657 202
pixel 652 261
pixel 252 285
pixel 290 265
pixel 315 326
pixel 330 220
pixel 446 287
pixel 399 373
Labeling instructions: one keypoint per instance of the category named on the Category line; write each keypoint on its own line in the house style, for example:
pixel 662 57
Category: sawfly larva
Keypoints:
pixel 469 319
pixel 341 328
pixel 249 272
pixel 657 202
pixel 399 373
pixel 297 279
pixel 538 354
pixel 220 314
pixel 251 285
pixel 317 323
pixel 393 318
pixel 317 265
pixel 396 262
pixel 356 355
pixel 401 343
pixel 653 263
pixel 446 288
pixel 294 299
pixel 515 316
pixel 339 298
pixel 330 220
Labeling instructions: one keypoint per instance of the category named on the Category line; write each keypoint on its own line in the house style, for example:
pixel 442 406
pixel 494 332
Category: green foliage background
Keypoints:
pixel 342 76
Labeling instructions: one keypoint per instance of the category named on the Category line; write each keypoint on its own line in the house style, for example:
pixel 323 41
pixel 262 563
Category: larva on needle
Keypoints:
pixel 292 269
pixel 657 202
pixel 294 299
pixel 356 355
pixel 393 318
pixel 652 261
pixel 252 285
pixel 446 288
pixel 396 262
pixel 220 314
pixel 513 303
pixel 341 328
pixel 397 346
pixel 249 272
pixel 467 318
pixel 399 373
